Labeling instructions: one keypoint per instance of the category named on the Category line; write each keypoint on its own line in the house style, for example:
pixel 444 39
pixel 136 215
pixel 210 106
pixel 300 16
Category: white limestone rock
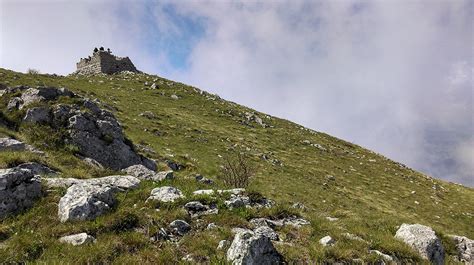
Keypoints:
pixel 250 248
pixel 77 239
pixel 422 239
pixel 165 194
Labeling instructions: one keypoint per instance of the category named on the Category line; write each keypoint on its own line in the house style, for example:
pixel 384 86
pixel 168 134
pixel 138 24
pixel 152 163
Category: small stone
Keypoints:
pixel 77 239
pixel 223 244
pixel 327 241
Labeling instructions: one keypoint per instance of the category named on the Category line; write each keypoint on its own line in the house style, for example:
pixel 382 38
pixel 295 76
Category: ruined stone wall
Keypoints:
pixel 89 66
pixel 111 64
pixel 104 62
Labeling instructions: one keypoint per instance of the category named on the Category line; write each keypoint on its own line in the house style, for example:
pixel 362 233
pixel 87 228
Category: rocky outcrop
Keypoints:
pixel 422 239
pixel 143 173
pixel 19 189
pixel 251 248
pixel 464 248
pixel 267 231
pixel 165 194
pixel 95 131
pixel 90 198
pixel 77 239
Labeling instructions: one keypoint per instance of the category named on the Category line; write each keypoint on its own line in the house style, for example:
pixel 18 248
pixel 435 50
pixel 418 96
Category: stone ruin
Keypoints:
pixel 103 62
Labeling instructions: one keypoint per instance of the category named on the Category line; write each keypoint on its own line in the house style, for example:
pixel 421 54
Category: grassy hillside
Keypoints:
pixel 370 194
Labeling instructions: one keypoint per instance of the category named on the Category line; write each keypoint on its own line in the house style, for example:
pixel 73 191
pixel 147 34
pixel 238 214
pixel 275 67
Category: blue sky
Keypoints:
pixel 393 76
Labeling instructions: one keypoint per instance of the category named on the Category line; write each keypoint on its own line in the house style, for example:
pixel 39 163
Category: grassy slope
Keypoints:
pixel 370 197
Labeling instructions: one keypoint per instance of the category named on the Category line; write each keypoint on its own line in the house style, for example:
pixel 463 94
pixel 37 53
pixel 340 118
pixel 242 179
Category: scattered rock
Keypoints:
pixel 148 114
pixel 422 239
pixel 77 239
pixel 203 192
pixel 353 237
pixel 179 227
pixel 327 241
pixel 465 249
pixel 331 219
pixel 250 248
pixel 165 194
pixel 174 96
pixel 14 103
pixel 19 189
pixel 174 166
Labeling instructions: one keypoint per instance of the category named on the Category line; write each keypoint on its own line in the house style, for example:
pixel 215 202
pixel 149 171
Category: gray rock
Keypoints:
pixel 179 227
pixel 37 168
pixel 165 194
pixel 464 248
pixel 382 255
pixel 77 239
pixel 14 103
pixel 237 201
pixel 327 241
pixel 202 179
pixel 250 248
pixel 422 239
pixel 212 226
pixel 203 192
pixel 118 182
pixel 292 221
pixel 19 189
pixel 196 209
pixel 268 232
pixel 223 244
pixel 142 172
pixel 90 198
pixel 9 144
pixel 39 115
pixel 33 95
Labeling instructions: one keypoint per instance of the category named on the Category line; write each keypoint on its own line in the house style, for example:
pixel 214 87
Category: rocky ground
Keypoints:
pixel 247 227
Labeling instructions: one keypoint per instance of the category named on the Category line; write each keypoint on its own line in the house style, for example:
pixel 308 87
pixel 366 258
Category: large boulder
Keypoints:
pixel 19 189
pixel 422 239
pixel 165 194
pixel 179 227
pixel 90 198
pixel 464 248
pixel 251 248
pixel 33 95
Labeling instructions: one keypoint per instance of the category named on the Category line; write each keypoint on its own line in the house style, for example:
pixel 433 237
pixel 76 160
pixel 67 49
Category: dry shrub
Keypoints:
pixel 237 171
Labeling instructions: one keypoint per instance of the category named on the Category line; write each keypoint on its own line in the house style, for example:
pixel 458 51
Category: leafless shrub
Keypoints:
pixel 236 171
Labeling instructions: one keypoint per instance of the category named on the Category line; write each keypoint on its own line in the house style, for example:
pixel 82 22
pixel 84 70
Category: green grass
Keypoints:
pixel 199 130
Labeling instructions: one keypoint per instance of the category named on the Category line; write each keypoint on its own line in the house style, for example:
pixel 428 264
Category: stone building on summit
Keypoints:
pixel 103 62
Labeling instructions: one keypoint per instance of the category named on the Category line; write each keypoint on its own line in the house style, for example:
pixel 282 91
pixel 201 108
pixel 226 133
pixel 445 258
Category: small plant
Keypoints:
pixel 32 71
pixel 236 172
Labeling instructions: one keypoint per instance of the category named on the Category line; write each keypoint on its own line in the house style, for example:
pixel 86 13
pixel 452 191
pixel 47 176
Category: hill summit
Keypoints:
pixel 104 62
pixel 132 168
